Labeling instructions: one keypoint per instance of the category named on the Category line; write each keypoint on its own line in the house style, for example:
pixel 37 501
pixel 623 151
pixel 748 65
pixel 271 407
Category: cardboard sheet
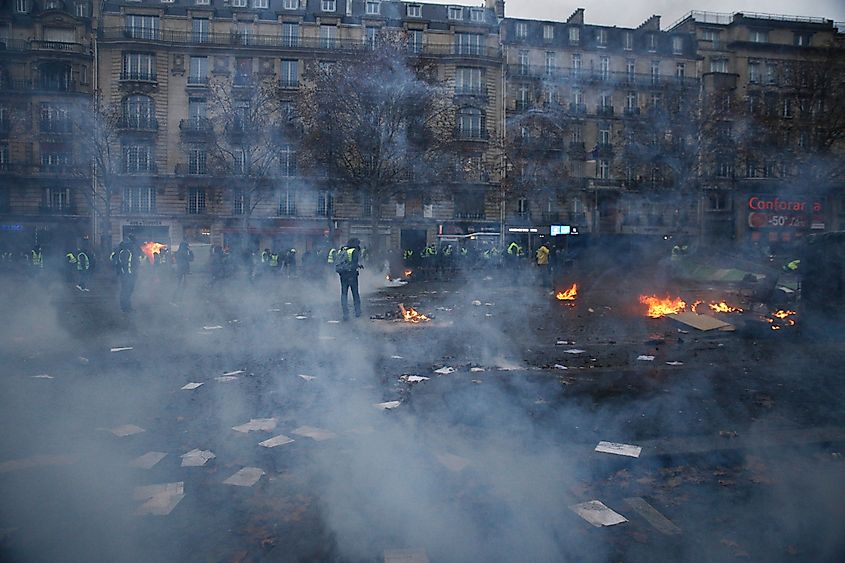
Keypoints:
pixel 317 434
pixel 257 424
pixel 597 514
pixel 148 460
pixel 279 440
pixel 700 322
pixel 126 430
pixel 160 499
pixel 246 477
pixel 619 449
pixel 191 386
pixel 197 458
pixel 653 517
pixel 389 405
pixel 452 462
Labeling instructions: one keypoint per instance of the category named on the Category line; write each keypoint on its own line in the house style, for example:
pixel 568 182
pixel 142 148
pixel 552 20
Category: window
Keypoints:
pixel 606 102
pixel 801 39
pixel 54 118
pixel 4 155
pixel 680 70
pixel 325 204
pixel 196 201
pixel 651 42
pixel 287 202
pixel 603 169
pixel 287 161
pixel 677 45
pixel 522 208
pixel 604 135
pixel 328 5
pixel 467 43
pixel 240 202
pixel 718 65
pixel 54 156
pixel 260 4
pixel 468 80
pixel 551 64
pixel 771 73
pixel 58 199
pixel 631 68
pixel 197 112
pixel 469 205
pixel 197 163
pixel 628 41
pixel 578 99
pixel 202 2
pixel 523 97
pixel 415 40
pixel 656 100
pixel 199 71
pixel 371 36
pixel 521 30
pixel 81 10
pixel 238 3
pixel 601 38
pixel 290 4
pixel 137 158
pixel 476 14
pixel 574 35
pixel 138 199
pixel 758 36
pixel 373 8
pixel 138 112
pixel 631 101
pixel 199 30
pixel 239 162
pixel 290 73
pixel 604 68
pixel 138 66
pixel 523 62
pixel 414 11
pixel 470 123
pixel 787 108
pixel 290 34
pixel 575 65
pixel 22 6
pixel 548 32
pixel 710 35
pixel 328 36
pixel 655 72
pixel 753 72
pixel 724 168
pixel 243 71
pixel 242 116
pixel 456 13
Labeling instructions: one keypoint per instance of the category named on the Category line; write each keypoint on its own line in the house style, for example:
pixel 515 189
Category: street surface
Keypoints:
pixel 741 434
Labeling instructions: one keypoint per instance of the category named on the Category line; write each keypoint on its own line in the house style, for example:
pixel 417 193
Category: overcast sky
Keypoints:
pixel 631 13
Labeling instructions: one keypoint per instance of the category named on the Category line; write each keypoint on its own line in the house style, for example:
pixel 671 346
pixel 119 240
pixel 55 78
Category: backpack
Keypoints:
pixel 124 260
pixel 343 262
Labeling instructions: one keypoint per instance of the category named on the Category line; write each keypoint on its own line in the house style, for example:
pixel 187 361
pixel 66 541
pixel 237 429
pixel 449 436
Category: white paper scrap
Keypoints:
pixel 236 372
pixel 307 377
pixel 43 376
pixel 619 449
pixel 652 516
pixel 150 491
pixel 301 317
pixel 476 370
pixel 597 514
pixel 445 370
pixel 273 310
pixel 148 460
pixel 126 430
pixel 396 357
pixel 413 378
pixel 225 378
pixel 574 351
pixel 333 322
pixel 279 440
pixel 191 386
pixel 265 424
pixel 674 363
pixel 122 348
pixel 560 366
pixel 452 462
pixel 644 358
pixel 197 458
pixel 160 499
pixel 246 477
pixel 317 434
pixel 389 405
pixel 215 327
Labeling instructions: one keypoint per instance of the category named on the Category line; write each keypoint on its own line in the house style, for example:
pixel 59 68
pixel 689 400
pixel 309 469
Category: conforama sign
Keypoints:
pixel 772 212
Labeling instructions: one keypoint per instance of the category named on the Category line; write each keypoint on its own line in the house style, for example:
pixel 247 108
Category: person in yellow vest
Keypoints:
pixel 83 269
pixel 347 264
pixel 542 256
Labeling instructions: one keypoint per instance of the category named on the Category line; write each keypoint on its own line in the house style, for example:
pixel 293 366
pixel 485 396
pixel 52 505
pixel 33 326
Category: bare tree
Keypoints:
pixel 376 121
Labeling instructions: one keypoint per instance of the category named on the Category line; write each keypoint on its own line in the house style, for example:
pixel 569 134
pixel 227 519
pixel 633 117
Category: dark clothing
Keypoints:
pixel 349 280
pixel 127 286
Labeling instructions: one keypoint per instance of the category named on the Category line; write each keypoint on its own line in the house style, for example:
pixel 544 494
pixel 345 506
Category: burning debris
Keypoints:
pixel 150 249
pixel 781 318
pixel 411 315
pixel 723 307
pixel 658 307
pixel 569 294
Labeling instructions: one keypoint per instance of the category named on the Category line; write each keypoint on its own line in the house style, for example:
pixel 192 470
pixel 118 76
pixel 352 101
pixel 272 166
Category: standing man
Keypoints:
pixel 127 268
pixel 83 269
pixel 543 264
pixel 184 256
pixel 346 264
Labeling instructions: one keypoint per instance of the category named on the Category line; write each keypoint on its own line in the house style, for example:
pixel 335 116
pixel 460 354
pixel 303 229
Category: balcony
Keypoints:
pixel 196 127
pixel 585 75
pixel 578 109
pixel 137 123
pixel 289 83
pixel 242 80
pixel 69 209
pixel 604 150
pixel 471 134
pixel 632 112
pixel 197 81
pixel 604 111
pixel 471 91
pixel 191 169
pixel 135 76
pixel 46 84
pixel 56 126
pixel 58 46
pixel 139 169
pixel 469 215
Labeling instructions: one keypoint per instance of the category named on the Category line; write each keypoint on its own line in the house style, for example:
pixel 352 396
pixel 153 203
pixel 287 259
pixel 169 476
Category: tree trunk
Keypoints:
pixel 375 217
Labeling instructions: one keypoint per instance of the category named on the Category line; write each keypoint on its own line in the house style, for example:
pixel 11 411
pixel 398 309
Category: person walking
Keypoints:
pixel 83 269
pixel 128 260
pixel 347 264
pixel 183 256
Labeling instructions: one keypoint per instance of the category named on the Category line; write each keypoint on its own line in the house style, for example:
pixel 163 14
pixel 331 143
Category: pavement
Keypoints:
pixel 469 437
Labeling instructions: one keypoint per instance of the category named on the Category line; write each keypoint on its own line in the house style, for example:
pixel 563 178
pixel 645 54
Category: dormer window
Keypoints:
pixel 601 37
pixel 456 13
pixel 548 32
pixel 574 35
pixel 328 5
pixel 260 4
pixel 53 5
pixel 22 6
pixel 373 8
pixel 521 30
pixel 758 36
pixel 677 45
pixel 290 4
pixel 651 42
pixel 414 11
pixel 476 14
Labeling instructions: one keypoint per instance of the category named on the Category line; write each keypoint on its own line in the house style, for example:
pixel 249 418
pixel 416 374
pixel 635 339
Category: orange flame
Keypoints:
pixel 694 307
pixel 781 318
pixel 723 307
pixel 658 307
pixel 411 315
pixel 408 273
pixel 569 294
pixel 150 248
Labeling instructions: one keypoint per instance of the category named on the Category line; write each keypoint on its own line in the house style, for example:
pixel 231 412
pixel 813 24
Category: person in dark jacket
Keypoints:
pixel 183 257
pixel 347 264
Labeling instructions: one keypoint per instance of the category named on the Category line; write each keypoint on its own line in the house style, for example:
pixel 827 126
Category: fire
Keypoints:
pixel 784 314
pixel 569 294
pixel 723 307
pixel 694 307
pixel 781 318
pixel 408 273
pixel 411 315
pixel 150 248
pixel 658 307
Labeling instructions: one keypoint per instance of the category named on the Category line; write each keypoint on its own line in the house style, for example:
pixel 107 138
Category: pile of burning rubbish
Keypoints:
pixel 674 307
pixel 405 314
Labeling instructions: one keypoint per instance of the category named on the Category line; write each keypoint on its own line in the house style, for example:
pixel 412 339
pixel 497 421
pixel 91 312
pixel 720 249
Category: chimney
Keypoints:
pixel 497 6
pixel 652 24
pixel 577 17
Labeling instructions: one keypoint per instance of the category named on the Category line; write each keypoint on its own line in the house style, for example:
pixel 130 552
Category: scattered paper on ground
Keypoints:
pixel 674 363
pixel 263 424
pixel 396 357
pixel 413 378
pixel 37 461
pixel 190 386
pixel 273 310
pixel 653 517
pixel 386 406
pixel 560 366
pixel 160 499
pixel 574 351
pixel 279 440
pixel 43 376
pixel 246 477
pixel 126 430
pixel 317 434
pixel 197 458
pixel 215 327
pixel 644 358
pixel 476 370
pixel 307 377
pixel 701 322
pixel 225 378
pixel 301 317
pixel 148 460
pixel 597 514
pixel 122 348
pixel 452 462
pixel 236 372
pixel 333 322
pixel 445 370
pixel 619 449
pixel 405 556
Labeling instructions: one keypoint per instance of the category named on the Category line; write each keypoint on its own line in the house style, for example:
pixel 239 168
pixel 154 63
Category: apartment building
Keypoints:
pixel 45 79
pixel 770 161
pixel 158 62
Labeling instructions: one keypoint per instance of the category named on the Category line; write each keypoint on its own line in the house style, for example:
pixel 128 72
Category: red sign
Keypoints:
pixel 772 212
